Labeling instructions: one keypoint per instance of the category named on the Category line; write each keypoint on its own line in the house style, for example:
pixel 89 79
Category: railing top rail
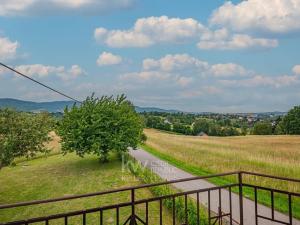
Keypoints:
pixel 27 203
pixel 272 189
pixel 271 176
pixel 36 202
pixel 120 205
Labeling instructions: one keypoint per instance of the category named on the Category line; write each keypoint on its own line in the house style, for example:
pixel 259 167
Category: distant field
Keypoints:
pixel 276 155
pixel 57 176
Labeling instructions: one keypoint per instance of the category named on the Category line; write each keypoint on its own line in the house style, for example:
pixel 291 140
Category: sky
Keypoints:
pixel 196 56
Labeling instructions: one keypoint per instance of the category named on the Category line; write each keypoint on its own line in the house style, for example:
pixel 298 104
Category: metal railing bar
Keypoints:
pixel 272 204
pixel 270 176
pixel 174 210
pixel 255 205
pixel 160 212
pixel 208 198
pixel 186 208
pixel 120 205
pixel 274 190
pixel 230 206
pixel 101 217
pixel 270 219
pixel 223 215
pixel 147 213
pixel 19 204
pixel 84 218
pixel 117 215
pixel 139 219
pixel 290 209
pixel 198 209
pixel 220 203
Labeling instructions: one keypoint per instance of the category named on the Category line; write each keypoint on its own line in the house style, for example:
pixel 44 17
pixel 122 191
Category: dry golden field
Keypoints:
pixel 276 155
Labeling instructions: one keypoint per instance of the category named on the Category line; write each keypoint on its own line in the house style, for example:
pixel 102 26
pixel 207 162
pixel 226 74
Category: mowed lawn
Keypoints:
pixel 58 176
pixel 276 155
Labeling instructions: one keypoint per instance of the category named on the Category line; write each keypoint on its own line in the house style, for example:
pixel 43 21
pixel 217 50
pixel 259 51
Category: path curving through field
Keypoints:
pixel 170 172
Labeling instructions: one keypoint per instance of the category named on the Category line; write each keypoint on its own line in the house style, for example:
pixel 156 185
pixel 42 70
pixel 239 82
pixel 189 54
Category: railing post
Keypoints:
pixel 241 198
pixel 132 220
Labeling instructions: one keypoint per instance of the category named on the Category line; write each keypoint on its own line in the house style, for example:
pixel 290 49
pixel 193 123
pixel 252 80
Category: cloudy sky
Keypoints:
pixel 220 56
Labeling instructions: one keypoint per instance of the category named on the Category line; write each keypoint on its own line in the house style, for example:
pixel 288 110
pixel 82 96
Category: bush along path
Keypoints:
pixel 146 176
pixel 168 172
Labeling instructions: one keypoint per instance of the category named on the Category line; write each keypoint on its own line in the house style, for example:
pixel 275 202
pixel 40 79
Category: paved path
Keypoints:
pixel 169 172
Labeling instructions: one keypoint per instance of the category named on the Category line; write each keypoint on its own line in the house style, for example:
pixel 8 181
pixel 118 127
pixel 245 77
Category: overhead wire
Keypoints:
pixel 40 83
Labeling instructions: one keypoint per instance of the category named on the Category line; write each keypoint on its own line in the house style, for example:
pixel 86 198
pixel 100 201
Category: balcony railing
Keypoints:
pixel 223 204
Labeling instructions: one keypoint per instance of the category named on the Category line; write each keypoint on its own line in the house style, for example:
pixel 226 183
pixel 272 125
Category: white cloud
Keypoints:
pixel 263 81
pixel 175 62
pixel 184 63
pixel 107 59
pixel 155 30
pixel 191 75
pixel 8 48
pixel 182 70
pixel 144 76
pixel 228 70
pixel 74 72
pixel 222 40
pixel 201 91
pixel 41 7
pixel 184 81
pixel 275 16
pixel 151 30
pixel 39 70
pixel 296 69
pixel 42 71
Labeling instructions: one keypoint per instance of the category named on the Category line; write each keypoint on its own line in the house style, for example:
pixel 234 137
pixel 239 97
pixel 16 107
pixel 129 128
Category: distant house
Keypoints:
pixel 202 134
pixel 167 121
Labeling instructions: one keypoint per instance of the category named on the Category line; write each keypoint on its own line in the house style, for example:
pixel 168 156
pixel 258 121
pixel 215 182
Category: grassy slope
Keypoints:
pixel 278 155
pixel 58 176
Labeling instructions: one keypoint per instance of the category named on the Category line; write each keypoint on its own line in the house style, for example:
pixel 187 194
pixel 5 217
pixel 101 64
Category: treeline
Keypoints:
pixel 190 124
pixel 224 124
pixel 289 124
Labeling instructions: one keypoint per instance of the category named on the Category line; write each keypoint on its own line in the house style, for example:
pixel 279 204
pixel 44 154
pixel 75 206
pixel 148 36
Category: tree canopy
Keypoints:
pixel 100 125
pixel 262 128
pixel 22 134
pixel 291 122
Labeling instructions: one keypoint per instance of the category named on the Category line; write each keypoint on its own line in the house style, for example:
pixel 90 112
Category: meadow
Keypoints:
pixel 276 155
pixel 58 176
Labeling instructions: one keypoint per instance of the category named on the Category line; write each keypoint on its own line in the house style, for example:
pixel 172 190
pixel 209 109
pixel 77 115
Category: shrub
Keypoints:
pixel 262 128
pixel 148 177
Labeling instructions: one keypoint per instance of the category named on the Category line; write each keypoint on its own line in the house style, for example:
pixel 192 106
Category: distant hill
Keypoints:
pixel 57 106
pixel 154 109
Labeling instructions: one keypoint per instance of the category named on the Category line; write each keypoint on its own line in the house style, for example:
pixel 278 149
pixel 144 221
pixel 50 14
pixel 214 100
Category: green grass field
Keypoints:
pixel 57 176
pixel 276 155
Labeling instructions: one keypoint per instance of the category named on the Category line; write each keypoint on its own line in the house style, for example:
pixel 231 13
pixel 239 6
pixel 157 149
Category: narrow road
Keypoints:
pixel 169 172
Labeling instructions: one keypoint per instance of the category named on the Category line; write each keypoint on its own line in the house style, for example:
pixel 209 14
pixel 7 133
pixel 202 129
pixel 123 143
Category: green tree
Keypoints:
pixel 22 134
pixel 244 129
pixel 182 128
pixel 200 125
pixel 291 122
pixel 262 128
pixel 100 125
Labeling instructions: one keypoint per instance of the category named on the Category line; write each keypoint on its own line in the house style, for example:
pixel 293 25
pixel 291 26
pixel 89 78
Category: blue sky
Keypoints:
pixel 238 56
